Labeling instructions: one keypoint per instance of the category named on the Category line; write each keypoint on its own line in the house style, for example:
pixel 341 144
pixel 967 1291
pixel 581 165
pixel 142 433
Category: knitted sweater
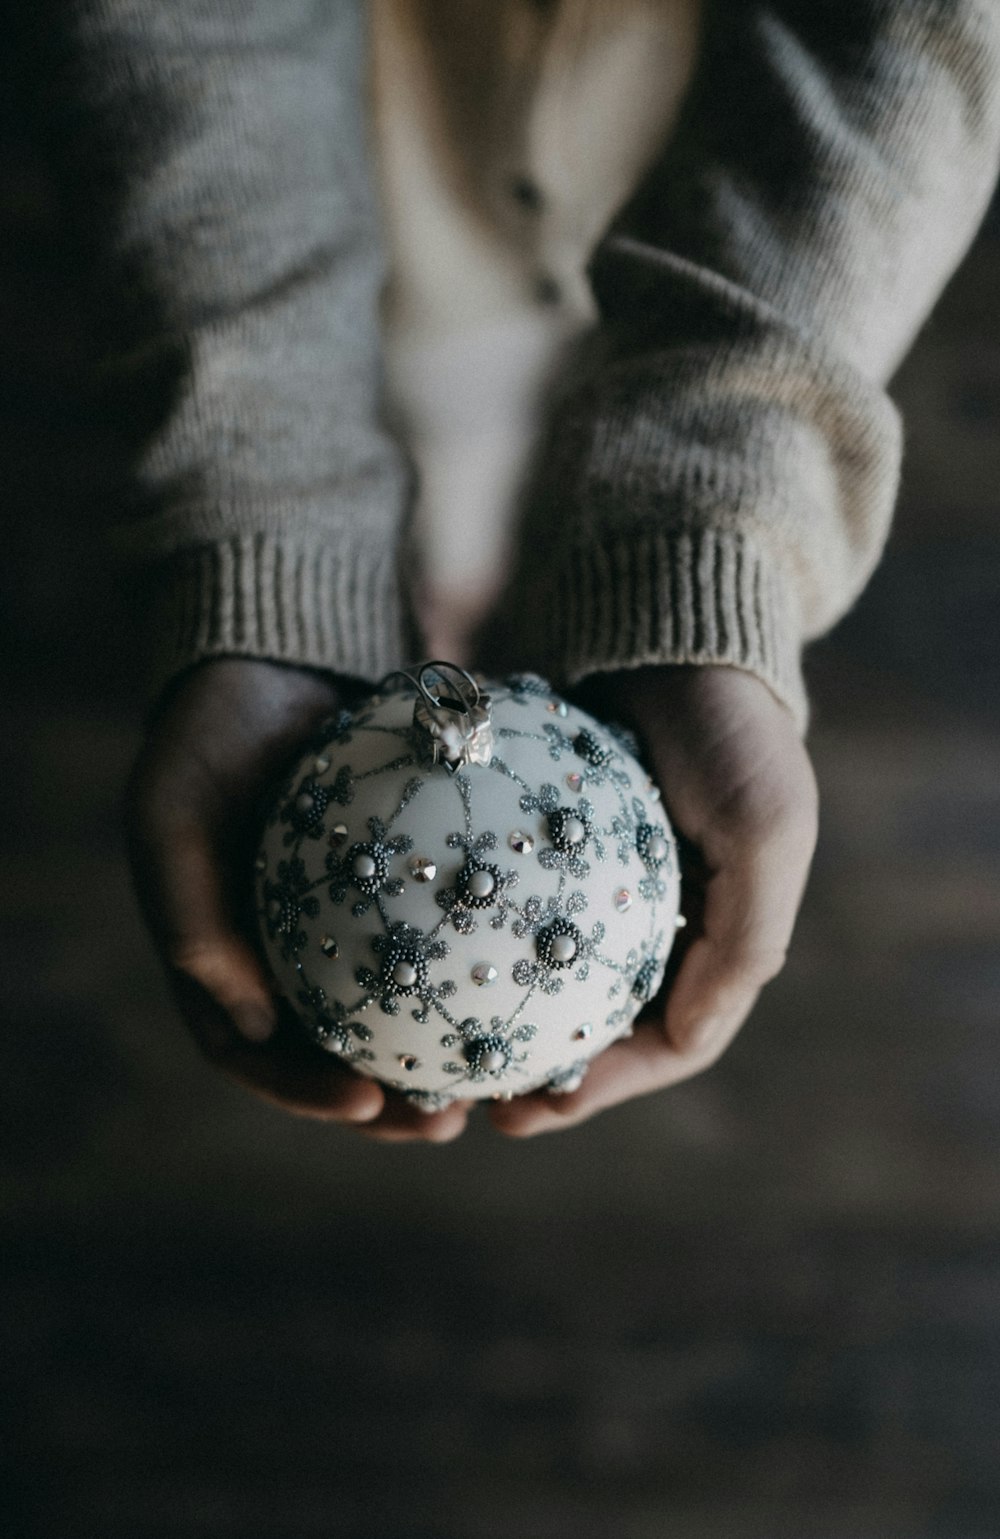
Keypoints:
pixel 720 463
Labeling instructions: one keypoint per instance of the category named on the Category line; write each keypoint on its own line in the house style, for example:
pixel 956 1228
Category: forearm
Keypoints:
pixel 719 485
pixel 238 249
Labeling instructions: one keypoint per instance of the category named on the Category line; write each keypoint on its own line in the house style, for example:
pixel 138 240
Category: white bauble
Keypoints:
pixel 467 894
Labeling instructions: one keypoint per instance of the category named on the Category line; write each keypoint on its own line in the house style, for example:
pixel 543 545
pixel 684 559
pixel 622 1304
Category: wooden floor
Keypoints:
pixel 764 1305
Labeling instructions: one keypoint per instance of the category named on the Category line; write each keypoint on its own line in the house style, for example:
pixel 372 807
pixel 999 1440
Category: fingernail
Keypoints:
pixel 253 1022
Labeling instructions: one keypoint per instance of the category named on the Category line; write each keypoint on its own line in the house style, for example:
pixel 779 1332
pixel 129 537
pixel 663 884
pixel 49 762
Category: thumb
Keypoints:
pixel 179 879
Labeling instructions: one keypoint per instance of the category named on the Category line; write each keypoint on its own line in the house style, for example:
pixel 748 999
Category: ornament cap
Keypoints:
pixel 452 716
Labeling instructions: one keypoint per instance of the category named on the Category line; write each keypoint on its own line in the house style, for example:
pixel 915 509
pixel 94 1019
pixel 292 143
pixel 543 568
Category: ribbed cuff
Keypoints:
pixel 703 597
pixel 319 606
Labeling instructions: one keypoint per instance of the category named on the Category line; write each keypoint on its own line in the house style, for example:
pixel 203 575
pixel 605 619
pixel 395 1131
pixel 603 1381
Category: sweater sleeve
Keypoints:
pixel 222 150
pixel 719 477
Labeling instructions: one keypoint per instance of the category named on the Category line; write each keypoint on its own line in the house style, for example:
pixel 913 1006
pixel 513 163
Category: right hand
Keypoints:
pixel 195 807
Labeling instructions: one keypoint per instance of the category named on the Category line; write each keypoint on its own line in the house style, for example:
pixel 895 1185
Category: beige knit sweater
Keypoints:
pixel 719 459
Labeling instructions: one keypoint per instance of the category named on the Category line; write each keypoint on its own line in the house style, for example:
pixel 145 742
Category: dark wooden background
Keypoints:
pixel 764 1305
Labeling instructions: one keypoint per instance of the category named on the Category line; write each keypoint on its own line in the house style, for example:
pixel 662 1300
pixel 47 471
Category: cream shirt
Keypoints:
pixel 507 135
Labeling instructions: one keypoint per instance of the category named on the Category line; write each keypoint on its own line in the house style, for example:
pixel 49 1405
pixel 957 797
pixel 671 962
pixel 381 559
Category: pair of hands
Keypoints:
pixel 738 788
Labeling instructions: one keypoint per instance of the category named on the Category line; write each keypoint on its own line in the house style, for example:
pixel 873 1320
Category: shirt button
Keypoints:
pixel 526 191
pixel 547 290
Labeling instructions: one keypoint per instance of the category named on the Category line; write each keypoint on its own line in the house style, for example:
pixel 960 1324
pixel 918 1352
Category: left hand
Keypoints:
pixel 740 792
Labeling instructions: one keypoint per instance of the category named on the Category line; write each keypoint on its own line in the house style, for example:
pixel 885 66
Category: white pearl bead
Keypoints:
pixel 405 974
pixel 658 848
pixel 364 866
pixel 481 884
pixel 563 948
pixel 492 1061
pixel 573 831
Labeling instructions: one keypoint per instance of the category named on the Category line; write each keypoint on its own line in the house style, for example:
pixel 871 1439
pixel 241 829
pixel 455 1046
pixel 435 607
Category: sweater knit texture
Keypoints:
pixel 719 459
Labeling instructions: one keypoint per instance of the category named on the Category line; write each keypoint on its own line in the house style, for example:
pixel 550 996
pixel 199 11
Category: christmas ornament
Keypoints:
pixel 468 890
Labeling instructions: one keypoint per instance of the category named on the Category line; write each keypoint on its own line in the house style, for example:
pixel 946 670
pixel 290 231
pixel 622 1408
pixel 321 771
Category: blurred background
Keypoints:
pixel 764 1304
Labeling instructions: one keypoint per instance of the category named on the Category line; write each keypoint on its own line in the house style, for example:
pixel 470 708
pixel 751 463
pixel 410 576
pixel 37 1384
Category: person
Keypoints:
pixel 705 459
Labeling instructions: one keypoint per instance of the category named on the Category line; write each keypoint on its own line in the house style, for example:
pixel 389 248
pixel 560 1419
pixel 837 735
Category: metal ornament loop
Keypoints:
pixel 454 718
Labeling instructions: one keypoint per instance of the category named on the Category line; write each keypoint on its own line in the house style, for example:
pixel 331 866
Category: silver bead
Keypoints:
pixel 623 900
pixel 404 974
pixel 483 974
pixel 574 780
pixel 563 948
pixel 364 866
pixel 481 884
pixel 408 1061
pixel 338 834
pixel 520 842
pixel 423 869
pixel 329 947
pixel 321 764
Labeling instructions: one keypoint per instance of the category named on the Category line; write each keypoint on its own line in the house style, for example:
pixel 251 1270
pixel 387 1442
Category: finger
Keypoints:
pixel 634 1067
pixel 750 906
pixel 288 1073
pixel 401 1122
pixel 181 887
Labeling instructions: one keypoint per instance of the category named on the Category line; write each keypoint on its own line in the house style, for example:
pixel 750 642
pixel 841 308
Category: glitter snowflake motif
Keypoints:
pixel 285 901
pixel 548 970
pixel 486 1052
pixel 405 954
pixel 464 899
pixel 525 687
pixel 365 868
pixel 564 825
pixel 331 1027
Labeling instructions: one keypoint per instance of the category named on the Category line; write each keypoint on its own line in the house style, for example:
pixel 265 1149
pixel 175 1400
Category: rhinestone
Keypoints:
pixel 408 1061
pixel 304 802
pixel 261 863
pixel 481 884
pixel 658 848
pixel 364 866
pixel 574 831
pixel 563 948
pixel 623 900
pixel 680 922
pixel 483 974
pixel 329 947
pixel 583 1032
pixel 423 869
pixel 321 765
pixel 574 780
pixel 405 974
pixel 558 707
pixel 520 842
pixel 338 834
